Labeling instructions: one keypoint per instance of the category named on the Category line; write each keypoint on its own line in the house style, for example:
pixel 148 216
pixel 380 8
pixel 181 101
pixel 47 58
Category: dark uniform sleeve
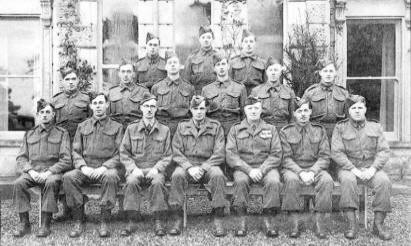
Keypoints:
pixel 274 158
pixel 338 150
pixel 187 70
pixel 64 163
pixel 323 161
pixel 114 161
pixel 125 153
pixel 78 160
pixel 288 154
pixel 162 164
pixel 243 98
pixel 178 150
pixel 23 162
pixel 218 156
pixel 291 106
pixel 232 156
pixel 383 151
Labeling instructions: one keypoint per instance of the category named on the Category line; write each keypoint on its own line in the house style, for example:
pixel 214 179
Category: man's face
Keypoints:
pixel 45 115
pixel 253 111
pixel 70 82
pixel 206 40
pixel 302 114
pixel 221 68
pixel 126 73
pixel 248 44
pixel 149 109
pixel 173 65
pixel 199 112
pixel 153 47
pixel 328 74
pixel 357 111
pixel 274 72
pixel 99 106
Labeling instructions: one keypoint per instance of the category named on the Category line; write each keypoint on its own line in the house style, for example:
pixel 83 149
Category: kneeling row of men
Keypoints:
pixel 301 153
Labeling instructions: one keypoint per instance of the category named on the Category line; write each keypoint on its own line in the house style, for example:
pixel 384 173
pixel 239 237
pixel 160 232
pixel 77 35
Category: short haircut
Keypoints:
pixel 126 62
pixel 300 102
pixel 197 100
pixel 41 103
pixel 322 63
pixel 66 71
pixel 93 95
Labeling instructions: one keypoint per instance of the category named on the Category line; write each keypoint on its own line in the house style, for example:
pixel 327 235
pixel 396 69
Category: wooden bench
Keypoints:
pixel 93 192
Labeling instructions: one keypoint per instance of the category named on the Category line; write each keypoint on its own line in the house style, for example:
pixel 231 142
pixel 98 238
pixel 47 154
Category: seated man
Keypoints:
pixel 43 157
pixel 306 157
pixel 360 150
pixel 96 160
pixel 146 152
pixel 198 150
pixel 254 152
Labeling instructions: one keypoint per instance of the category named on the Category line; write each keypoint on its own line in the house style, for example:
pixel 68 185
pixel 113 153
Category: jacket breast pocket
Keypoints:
pixel 238 71
pixel 158 147
pixel 81 108
pixel 197 65
pixel 60 116
pixel 294 142
pixel 33 146
pixel 339 101
pixel 232 100
pixel 184 99
pixel 315 143
pixel 53 147
pixel 108 143
pixel 371 143
pixel 263 143
pixel 258 71
pixel 137 144
pixel 350 143
pixel 115 105
pixel 163 97
pixel 319 105
pixel 244 143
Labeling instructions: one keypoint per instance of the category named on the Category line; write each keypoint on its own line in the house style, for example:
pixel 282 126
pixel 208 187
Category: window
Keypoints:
pixel 373 66
pixel 19 71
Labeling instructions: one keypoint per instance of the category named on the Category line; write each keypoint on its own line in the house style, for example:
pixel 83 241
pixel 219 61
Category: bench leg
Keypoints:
pixel 362 212
pixel 40 205
pixel 185 212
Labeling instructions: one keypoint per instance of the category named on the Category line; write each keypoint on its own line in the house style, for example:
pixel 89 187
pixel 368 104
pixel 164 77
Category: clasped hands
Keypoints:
pixel 364 174
pixel 39 177
pixel 196 172
pixel 307 177
pixel 138 173
pixel 93 173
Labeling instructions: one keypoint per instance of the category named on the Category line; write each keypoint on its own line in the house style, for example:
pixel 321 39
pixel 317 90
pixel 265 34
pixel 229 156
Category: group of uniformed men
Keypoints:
pixel 133 135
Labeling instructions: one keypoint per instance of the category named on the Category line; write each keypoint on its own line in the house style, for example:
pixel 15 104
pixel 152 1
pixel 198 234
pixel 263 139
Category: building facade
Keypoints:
pixel 370 38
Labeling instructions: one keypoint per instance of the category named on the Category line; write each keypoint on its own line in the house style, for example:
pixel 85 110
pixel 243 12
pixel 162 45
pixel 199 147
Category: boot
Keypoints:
pixel 378 226
pixel 295 231
pixel 132 223
pixel 66 214
pixel 158 225
pixel 178 221
pixel 242 225
pixel 319 226
pixel 269 228
pixel 24 226
pixel 44 230
pixel 219 230
pixel 105 217
pixel 78 215
pixel 351 233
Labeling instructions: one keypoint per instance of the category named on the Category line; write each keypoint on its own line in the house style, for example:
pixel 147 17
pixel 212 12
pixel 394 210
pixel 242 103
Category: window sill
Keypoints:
pixel 11 139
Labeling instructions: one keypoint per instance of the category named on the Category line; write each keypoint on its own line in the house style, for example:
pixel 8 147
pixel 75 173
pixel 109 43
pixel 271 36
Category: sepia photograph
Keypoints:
pixel 205 122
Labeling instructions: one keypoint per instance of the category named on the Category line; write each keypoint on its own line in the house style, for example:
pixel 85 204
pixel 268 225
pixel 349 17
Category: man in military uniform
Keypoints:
pixel 151 68
pixel 146 152
pixel 71 104
pixel 277 98
pixel 44 155
pixel 254 152
pixel 225 96
pixel 199 67
pixel 96 160
pixel 360 150
pixel 247 67
pixel 198 150
pixel 125 97
pixel 173 94
pixel 306 157
pixel 327 98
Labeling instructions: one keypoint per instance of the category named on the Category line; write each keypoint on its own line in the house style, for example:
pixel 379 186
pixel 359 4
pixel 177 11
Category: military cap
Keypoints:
pixel 246 33
pixel 219 56
pixel 251 100
pixel 205 29
pixel 353 99
pixel 147 96
pixel 322 63
pixel 42 104
pixel 197 100
pixel 272 61
pixel 93 95
pixel 66 71
pixel 298 102
pixel 151 36
pixel 170 54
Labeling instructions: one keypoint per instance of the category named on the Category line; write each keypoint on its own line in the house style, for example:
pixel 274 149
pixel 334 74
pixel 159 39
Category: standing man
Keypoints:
pixel 173 95
pixel 125 98
pixel 226 97
pixel 248 68
pixel 71 105
pixel 151 68
pixel 96 160
pixel 360 150
pixel 277 98
pixel 306 157
pixel 199 67
pixel 43 157
pixel 254 152
pixel 198 150
pixel 146 152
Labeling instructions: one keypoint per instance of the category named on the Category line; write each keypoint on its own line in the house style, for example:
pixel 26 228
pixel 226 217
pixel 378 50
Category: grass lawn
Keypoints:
pixel 199 229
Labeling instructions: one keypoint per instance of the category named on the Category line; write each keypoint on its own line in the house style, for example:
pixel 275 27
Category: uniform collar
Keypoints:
pixel 142 126
pixel 249 127
pixel 102 121
pixel 358 124
pixel 206 52
pixel 300 128
pixel 170 82
pixel 252 56
pixel 276 86
pixel 71 94
pixel 46 128
pixel 326 88
pixel 153 59
pixel 129 87
pixel 224 83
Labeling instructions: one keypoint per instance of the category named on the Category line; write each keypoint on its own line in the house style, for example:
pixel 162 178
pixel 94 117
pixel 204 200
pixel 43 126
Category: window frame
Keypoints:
pixel 397 78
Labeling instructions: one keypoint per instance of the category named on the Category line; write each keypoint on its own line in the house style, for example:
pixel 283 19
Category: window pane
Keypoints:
pixel 19 46
pixel 20 95
pixel 110 78
pixel 120 31
pixel 380 96
pixel 370 49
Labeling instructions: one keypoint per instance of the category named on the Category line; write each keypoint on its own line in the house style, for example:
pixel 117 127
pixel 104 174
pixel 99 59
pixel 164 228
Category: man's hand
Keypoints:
pixel 98 172
pixel 256 175
pixel 35 175
pixel 196 173
pixel 88 171
pixel 138 173
pixel 369 173
pixel 43 176
pixel 152 173
pixel 357 172
pixel 307 177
